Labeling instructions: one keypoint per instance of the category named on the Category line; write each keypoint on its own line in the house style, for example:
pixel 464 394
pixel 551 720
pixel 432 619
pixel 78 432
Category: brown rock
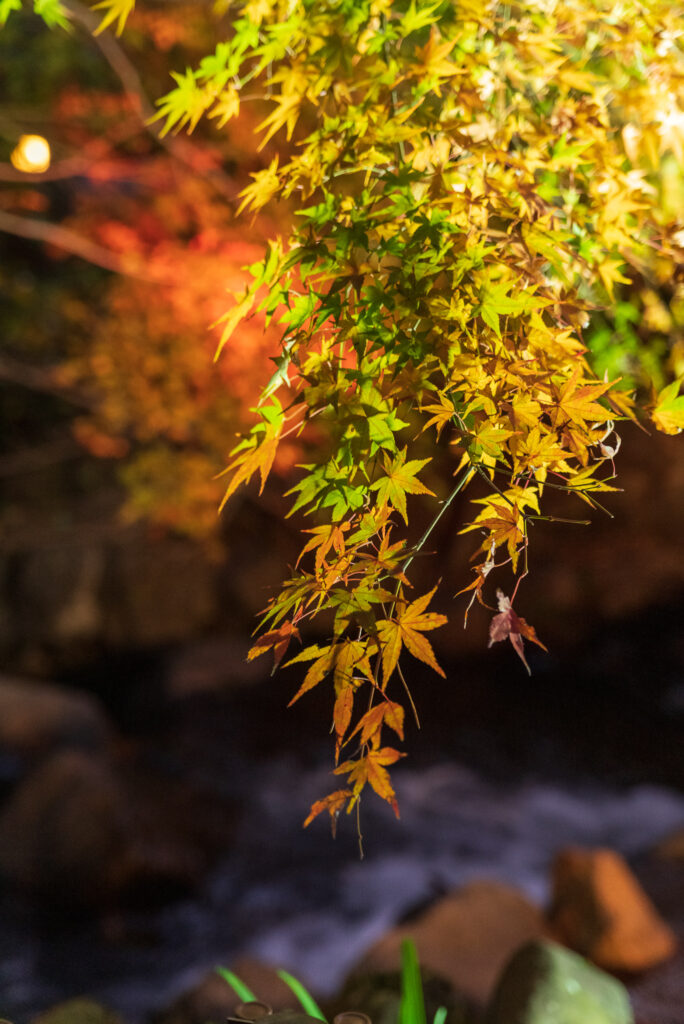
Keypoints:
pixel 467 937
pixel 213 998
pixel 36 718
pixel 265 983
pixel 158 592
pixel 600 910
pixel 63 832
pixel 72 835
pixel 672 847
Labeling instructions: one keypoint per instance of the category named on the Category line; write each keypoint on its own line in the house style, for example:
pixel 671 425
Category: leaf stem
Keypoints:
pixel 445 505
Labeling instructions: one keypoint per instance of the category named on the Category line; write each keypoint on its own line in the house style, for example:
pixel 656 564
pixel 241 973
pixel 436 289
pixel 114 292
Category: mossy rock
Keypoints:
pixel 377 994
pixel 78 1011
pixel 546 984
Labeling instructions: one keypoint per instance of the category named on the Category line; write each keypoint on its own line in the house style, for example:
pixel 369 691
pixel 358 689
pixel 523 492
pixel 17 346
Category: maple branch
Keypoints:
pixel 414 709
pixel 69 241
pixel 68 168
pixel 445 505
pixel 39 379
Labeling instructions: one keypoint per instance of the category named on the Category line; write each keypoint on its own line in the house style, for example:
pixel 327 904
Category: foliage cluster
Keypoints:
pixel 131 349
pixel 472 181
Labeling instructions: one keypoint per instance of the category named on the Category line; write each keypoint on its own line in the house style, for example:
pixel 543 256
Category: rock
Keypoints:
pixel 78 1011
pixel 546 984
pixel 156 593
pixel 672 847
pixel 72 835
pixel 36 718
pixel 264 982
pixel 466 937
pixel 57 594
pixel 378 995
pixel 599 909
pixel 63 831
pixel 212 999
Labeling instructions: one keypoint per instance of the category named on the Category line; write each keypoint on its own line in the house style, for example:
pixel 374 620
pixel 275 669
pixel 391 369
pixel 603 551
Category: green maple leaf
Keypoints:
pixel 668 414
pixel 400 480
pixel 7 7
pixel 496 302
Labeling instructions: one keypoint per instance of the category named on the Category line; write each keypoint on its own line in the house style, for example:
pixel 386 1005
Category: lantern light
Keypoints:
pixel 31 154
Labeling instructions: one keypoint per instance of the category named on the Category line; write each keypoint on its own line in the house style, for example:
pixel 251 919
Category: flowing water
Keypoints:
pixel 301 901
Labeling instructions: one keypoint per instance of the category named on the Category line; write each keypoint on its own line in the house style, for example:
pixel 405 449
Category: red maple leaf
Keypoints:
pixel 509 626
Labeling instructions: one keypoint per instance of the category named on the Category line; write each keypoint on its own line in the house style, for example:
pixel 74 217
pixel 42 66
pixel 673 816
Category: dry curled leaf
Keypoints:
pixel 509 626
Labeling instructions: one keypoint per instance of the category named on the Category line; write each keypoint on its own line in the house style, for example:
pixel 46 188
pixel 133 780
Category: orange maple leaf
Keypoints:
pixel 371 769
pixel 333 804
pixel 406 629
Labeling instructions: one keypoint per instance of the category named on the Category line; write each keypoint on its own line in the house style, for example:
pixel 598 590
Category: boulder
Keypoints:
pixel 212 999
pixel 264 982
pixel 157 593
pixel 72 835
pixel 63 831
pixel 466 937
pixel 378 995
pixel 671 847
pixel 78 1011
pixel 37 718
pixel 56 591
pixel 599 909
pixel 546 984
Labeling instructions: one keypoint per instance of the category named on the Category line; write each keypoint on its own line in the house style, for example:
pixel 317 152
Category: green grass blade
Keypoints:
pixel 440 1015
pixel 309 1004
pixel 412 1006
pixel 241 990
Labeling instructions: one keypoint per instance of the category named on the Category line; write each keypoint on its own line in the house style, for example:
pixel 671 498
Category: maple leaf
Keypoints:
pixel 257 452
pixel 371 769
pixel 483 570
pixel 342 714
pixel 331 535
pixel 668 414
pixel 509 626
pixel 400 480
pixel 278 639
pixel 442 414
pixel 184 105
pixel 227 106
pixel 387 713
pixel 115 10
pixel 406 629
pixel 576 401
pixel 323 664
pixel 333 804
pixel 349 655
pixel 264 186
pixel 504 522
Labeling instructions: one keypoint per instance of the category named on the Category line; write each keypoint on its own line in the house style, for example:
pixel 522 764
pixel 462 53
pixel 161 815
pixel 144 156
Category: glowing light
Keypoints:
pixel 31 154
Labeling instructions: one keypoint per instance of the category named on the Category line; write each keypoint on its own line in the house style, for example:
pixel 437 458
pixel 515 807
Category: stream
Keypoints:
pixel 567 758
pixel 299 900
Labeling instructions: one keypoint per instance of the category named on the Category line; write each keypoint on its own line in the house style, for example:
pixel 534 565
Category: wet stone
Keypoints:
pixel 546 984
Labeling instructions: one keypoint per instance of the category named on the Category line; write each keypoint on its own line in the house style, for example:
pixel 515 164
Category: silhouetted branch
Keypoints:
pixel 70 241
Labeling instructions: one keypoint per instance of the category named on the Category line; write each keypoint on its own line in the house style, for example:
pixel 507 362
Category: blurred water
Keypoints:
pixel 299 900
